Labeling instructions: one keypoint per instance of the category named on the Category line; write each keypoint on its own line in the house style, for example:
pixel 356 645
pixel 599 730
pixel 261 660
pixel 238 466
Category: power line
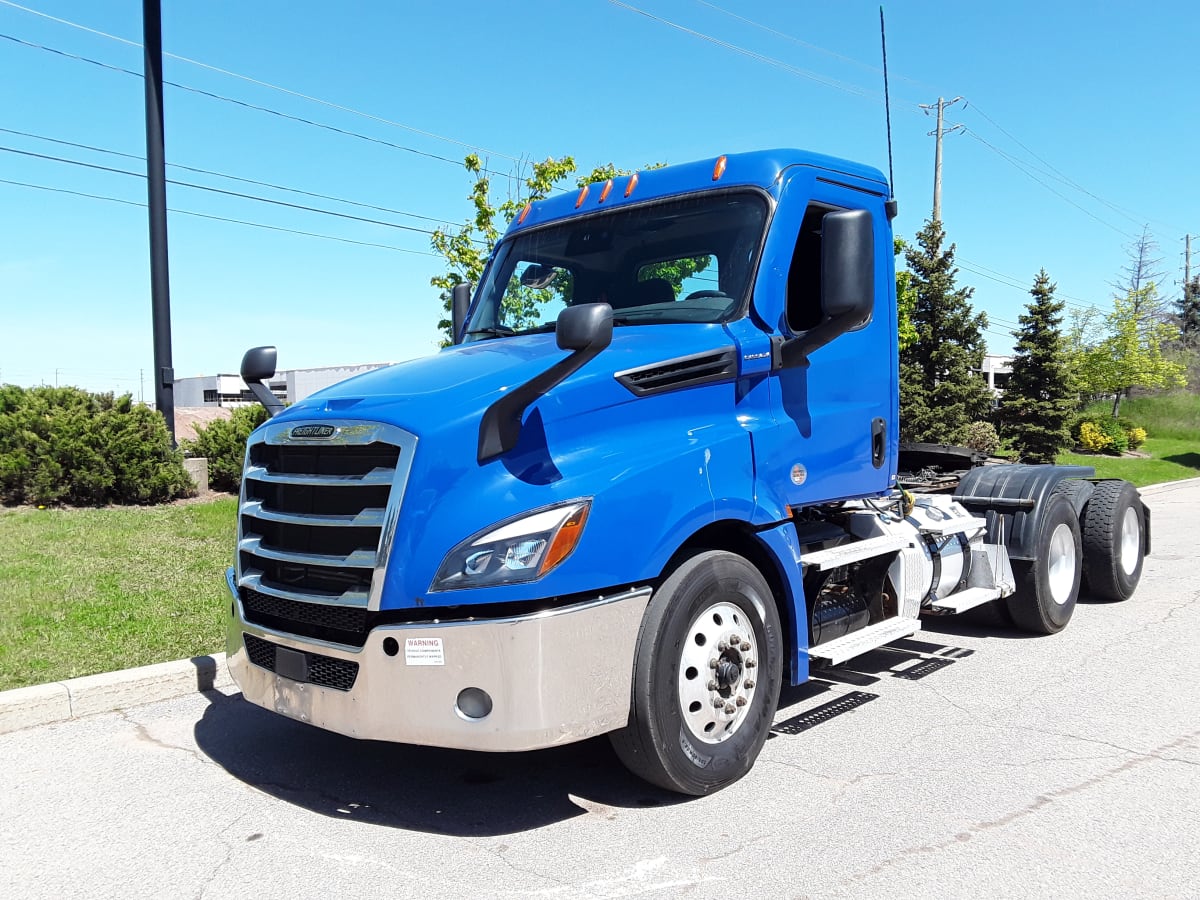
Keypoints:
pixel 215 190
pixel 245 104
pixel 760 57
pixel 266 84
pixel 1024 169
pixel 200 215
pixel 199 171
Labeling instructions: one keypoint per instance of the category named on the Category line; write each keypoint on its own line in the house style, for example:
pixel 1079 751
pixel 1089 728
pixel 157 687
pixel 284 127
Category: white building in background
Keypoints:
pixel 289 385
pixel 997 370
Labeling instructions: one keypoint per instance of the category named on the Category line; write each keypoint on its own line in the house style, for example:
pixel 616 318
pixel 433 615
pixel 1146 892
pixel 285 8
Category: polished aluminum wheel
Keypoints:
pixel 717 673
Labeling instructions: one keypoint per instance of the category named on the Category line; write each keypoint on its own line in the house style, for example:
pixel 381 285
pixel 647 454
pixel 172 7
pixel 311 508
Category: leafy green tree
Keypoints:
pixel 1037 403
pixel 1129 354
pixel 941 390
pixel 906 300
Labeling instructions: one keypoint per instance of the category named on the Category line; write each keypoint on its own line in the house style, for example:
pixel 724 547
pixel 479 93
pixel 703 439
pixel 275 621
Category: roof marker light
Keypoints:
pixel 632 184
pixel 582 196
pixel 719 168
pixel 607 190
pixel 524 212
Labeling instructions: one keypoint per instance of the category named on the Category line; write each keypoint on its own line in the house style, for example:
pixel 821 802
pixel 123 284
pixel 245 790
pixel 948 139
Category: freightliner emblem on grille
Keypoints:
pixel 313 431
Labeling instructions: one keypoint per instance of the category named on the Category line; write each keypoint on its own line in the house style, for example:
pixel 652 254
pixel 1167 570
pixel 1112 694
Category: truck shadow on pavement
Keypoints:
pixel 426 789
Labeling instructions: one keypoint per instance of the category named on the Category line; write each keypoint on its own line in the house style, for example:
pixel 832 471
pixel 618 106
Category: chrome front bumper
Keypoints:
pixel 553 677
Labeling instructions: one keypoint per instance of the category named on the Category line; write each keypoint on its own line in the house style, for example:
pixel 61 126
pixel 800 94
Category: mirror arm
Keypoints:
pixel 264 396
pixel 794 352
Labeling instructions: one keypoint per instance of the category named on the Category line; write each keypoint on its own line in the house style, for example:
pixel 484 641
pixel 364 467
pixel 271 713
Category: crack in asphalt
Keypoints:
pixel 1040 801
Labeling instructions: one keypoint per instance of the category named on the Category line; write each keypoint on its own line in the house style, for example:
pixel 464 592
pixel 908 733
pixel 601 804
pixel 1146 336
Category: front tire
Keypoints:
pixel 706 676
pixel 1048 586
pixel 1113 540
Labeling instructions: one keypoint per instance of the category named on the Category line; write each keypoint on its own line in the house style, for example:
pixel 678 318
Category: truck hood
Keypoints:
pixel 442 390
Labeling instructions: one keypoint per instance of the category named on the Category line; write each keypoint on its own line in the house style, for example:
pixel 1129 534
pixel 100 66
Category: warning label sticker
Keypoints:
pixel 423 652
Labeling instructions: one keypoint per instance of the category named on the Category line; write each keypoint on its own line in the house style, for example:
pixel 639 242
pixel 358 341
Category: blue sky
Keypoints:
pixel 1080 128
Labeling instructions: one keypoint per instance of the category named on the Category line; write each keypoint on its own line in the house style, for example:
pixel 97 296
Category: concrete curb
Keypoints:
pixel 43 704
pixel 1164 486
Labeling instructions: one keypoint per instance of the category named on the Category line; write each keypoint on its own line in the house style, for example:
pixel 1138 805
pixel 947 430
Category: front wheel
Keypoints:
pixel 706 676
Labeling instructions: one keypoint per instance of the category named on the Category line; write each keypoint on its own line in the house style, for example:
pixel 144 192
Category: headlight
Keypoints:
pixel 520 549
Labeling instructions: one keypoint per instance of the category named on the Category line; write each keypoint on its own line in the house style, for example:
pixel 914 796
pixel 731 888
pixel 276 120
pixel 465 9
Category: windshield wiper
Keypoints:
pixel 495 331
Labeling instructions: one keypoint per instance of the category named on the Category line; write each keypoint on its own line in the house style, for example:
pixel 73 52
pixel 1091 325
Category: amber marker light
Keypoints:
pixel 565 540
pixel 719 168
pixel 632 184
pixel 582 196
pixel 524 212
pixel 607 190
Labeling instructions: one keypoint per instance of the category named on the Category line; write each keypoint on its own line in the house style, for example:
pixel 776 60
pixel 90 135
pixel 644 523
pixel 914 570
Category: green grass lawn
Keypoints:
pixel 93 590
pixel 1170 460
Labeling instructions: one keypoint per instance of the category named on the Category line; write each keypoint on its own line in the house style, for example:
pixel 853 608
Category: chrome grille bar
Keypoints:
pixel 252 579
pixel 368 518
pixel 359 559
pixel 375 476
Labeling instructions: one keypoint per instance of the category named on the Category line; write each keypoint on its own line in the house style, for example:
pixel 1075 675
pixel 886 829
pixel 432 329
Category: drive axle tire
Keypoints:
pixel 1113 540
pixel 1048 586
pixel 706 676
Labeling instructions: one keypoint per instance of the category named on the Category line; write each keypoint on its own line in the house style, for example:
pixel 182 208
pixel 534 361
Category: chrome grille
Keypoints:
pixel 316 523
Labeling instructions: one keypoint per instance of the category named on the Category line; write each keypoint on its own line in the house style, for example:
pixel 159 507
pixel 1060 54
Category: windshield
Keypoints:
pixel 685 260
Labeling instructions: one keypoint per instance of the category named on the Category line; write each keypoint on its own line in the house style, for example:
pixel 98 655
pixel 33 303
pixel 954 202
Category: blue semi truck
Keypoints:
pixel 653 481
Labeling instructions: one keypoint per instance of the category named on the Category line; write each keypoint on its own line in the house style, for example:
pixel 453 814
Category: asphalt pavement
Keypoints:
pixel 963 761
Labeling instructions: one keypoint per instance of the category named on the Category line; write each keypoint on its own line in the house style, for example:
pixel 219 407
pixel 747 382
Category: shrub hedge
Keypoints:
pixel 223 442
pixel 68 446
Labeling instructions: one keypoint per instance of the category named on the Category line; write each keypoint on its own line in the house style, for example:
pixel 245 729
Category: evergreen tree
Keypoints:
pixel 941 388
pixel 1188 315
pixel 1037 400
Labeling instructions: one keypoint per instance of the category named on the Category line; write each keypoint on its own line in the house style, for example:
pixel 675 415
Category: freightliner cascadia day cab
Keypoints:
pixel 653 481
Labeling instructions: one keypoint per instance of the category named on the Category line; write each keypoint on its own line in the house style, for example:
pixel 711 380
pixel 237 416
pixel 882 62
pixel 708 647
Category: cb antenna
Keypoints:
pixel 887 107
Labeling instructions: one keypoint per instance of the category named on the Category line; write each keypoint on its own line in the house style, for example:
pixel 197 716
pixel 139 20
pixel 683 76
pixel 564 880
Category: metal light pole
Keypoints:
pixel 156 189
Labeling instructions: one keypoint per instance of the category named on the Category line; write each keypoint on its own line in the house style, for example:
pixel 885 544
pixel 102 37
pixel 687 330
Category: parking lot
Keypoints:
pixel 961 761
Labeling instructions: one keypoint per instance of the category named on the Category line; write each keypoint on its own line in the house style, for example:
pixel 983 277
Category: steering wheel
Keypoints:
pixel 705 295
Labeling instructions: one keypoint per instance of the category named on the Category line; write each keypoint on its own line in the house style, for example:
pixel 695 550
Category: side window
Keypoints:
pixel 804 274
pixel 535 295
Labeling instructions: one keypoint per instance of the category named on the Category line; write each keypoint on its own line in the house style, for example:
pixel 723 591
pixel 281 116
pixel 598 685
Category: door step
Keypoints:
pixel 843 648
pixel 964 600
pixel 859 550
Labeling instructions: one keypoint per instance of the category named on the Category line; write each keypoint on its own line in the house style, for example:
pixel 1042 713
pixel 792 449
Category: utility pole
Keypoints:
pixel 1187 259
pixel 156 189
pixel 939 132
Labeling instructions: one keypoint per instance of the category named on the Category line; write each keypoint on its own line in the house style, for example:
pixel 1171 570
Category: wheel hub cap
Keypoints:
pixel 718 669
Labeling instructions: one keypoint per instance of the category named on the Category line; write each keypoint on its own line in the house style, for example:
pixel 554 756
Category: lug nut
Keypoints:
pixel 713 663
pixel 718 702
pixel 749 682
pixel 745 646
pixel 741 701
pixel 750 664
pixel 712 685
pixel 722 646
pixel 730 708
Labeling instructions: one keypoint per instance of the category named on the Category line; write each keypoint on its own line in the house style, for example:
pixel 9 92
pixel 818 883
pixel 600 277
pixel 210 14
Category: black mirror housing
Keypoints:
pixel 258 364
pixel 848 266
pixel 585 327
pixel 460 304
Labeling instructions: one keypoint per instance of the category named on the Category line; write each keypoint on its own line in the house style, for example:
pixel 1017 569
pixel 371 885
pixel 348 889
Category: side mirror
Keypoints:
pixel 460 303
pixel 585 330
pixel 258 365
pixel 585 327
pixel 848 266
pixel 847 284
